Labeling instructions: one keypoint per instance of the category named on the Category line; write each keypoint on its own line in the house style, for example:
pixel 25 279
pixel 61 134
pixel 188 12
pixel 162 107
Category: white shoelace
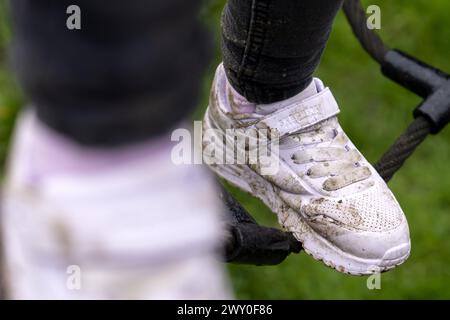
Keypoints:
pixel 328 149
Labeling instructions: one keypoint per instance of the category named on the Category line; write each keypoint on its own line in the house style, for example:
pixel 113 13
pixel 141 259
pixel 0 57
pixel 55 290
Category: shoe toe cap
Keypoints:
pixel 388 246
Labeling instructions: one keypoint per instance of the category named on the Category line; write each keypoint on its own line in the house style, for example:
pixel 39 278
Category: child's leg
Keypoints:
pixel 133 71
pixel 321 187
pixel 272 48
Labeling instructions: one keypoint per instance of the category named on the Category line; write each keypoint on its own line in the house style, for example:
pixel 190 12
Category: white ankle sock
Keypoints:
pixel 240 105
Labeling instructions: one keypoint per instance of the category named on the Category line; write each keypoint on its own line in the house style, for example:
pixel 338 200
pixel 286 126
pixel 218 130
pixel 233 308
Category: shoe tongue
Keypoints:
pixel 265 109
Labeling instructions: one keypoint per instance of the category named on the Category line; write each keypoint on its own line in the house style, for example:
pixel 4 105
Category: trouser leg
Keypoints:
pixel 272 48
pixel 133 70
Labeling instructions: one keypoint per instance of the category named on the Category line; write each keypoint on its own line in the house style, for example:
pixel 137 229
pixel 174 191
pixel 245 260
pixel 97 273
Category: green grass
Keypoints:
pixel 10 96
pixel 374 113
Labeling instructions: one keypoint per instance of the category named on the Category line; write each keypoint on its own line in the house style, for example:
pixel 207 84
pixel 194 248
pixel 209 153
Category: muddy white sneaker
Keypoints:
pixel 323 191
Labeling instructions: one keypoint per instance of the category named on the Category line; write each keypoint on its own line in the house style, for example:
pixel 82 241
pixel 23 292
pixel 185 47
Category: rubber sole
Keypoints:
pixel 313 244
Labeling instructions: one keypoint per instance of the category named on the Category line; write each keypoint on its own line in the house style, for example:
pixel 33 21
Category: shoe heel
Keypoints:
pixel 233 173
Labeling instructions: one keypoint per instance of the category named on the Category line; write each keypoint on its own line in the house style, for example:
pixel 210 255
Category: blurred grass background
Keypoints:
pixel 374 113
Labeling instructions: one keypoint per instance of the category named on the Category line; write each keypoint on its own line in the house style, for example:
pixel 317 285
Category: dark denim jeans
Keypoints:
pixel 271 48
pixel 134 70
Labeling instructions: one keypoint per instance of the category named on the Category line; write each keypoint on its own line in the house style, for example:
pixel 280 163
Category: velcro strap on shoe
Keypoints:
pixel 302 114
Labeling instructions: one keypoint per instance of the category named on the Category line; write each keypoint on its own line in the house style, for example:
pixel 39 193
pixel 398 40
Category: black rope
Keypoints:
pixel 370 41
pixel 403 147
pixel 248 242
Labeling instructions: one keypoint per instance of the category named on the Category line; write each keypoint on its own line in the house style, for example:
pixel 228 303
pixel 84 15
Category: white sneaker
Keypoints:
pixel 83 223
pixel 324 191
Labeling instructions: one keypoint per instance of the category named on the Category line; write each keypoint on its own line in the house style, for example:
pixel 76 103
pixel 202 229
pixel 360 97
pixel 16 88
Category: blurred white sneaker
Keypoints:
pixel 83 223
pixel 324 191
